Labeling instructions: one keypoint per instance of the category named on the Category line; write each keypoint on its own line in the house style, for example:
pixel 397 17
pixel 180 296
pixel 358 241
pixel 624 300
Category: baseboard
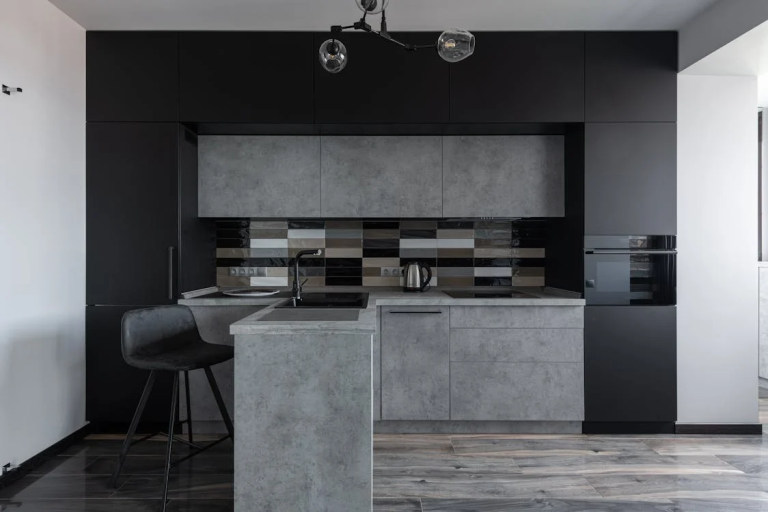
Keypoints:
pixel 628 427
pixel 724 429
pixel 476 427
pixel 37 460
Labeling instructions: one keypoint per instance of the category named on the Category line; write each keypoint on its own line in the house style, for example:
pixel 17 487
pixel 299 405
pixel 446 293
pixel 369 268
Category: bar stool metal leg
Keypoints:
pixel 189 408
pixel 220 402
pixel 169 449
pixel 134 424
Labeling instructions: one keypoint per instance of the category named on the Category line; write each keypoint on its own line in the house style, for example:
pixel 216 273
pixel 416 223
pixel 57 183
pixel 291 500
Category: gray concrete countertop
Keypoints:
pixel 366 322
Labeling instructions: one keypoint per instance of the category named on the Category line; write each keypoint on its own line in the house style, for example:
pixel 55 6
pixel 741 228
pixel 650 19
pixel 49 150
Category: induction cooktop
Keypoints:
pixel 489 295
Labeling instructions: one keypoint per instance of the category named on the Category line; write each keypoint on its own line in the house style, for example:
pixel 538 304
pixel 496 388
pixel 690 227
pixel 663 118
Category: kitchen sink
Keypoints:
pixel 327 300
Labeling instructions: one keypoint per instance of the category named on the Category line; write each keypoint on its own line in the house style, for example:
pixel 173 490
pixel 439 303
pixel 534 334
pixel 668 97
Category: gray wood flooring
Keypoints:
pixel 429 473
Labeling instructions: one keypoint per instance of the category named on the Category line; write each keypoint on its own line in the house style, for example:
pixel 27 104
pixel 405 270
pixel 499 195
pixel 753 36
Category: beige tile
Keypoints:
pixel 493 253
pixel 371 271
pixel 233 253
pixel 418 224
pixel 528 281
pixel 222 271
pixel 529 253
pixel 344 243
pixel 381 233
pixel 269 224
pixel 277 272
pixel 306 243
pixel 456 253
pixel 455 233
pixel 315 281
pixel 381 281
pixel 269 233
pixel 381 262
pixel 227 281
pixel 344 253
pixel 457 281
pixel 343 224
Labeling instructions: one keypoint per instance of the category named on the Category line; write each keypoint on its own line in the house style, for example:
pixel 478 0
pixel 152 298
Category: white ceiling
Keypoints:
pixel 401 14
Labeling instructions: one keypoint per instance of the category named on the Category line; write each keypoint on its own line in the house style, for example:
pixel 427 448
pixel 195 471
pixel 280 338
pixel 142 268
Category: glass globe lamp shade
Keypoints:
pixel 372 6
pixel 455 44
pixel 333 55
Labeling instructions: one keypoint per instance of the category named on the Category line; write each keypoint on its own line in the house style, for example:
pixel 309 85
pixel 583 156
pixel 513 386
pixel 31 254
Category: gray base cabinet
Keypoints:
pixel 415 383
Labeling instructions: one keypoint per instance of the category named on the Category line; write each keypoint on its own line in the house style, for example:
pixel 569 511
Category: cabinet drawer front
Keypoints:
pixel 517 391
pixel 518 345
pixel 415 383
pixel 516 317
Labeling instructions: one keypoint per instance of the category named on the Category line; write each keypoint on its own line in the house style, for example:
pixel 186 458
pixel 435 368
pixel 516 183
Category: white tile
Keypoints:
pixel 269 243
pixel 269 281
pixel 493 272
pixel 455 243
pixel 418 243
pixel 306 233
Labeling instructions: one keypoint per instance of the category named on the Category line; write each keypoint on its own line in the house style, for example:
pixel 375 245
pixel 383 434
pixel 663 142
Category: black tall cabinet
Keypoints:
pixel 144 242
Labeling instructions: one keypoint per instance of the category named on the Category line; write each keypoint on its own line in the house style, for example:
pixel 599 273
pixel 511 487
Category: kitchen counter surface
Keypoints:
pixel 366 322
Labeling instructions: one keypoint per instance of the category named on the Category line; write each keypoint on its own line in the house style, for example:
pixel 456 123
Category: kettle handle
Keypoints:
pixel 429 275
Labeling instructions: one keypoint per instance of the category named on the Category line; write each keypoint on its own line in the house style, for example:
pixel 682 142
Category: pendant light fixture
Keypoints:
pixel 453 45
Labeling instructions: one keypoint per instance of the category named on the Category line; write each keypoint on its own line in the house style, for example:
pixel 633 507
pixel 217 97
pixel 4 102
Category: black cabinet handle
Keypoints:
pixel 170 273
pixel 415 312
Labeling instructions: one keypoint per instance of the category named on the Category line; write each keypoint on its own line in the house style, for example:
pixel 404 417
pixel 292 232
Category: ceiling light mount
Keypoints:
pixel 453 45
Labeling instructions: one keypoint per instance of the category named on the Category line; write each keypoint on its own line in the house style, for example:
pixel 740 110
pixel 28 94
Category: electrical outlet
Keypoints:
pixel 233 271
pixel 391 271
pixel 242 271
pixel 252 271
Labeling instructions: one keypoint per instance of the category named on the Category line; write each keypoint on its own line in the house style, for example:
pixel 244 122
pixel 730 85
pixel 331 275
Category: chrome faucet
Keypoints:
pixel 296 283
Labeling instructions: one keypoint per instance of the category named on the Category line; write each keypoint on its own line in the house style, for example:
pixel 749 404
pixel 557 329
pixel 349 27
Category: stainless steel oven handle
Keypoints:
pixel 623 251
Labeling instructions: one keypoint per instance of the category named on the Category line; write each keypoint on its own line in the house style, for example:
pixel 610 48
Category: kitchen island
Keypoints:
pixel 310 389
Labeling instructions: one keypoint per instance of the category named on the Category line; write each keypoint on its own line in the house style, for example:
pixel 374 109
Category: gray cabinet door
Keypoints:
pixel 504 176
pixel 259 176
pixel 517 391
pixel 415 383
pixel 381 176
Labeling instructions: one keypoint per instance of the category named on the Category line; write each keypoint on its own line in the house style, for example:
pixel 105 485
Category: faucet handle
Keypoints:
pixel 304 282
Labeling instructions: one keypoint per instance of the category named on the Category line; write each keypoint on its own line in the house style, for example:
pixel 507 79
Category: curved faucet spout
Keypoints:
pixel 296 283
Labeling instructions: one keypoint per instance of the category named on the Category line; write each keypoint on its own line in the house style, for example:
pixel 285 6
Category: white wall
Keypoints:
pixel 42 228
pixel 717 242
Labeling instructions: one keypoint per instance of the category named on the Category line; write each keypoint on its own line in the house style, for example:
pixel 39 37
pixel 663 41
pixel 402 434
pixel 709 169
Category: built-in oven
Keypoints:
pixel 634 270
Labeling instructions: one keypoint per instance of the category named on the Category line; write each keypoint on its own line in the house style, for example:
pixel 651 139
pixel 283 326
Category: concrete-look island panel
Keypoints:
pixel 311 386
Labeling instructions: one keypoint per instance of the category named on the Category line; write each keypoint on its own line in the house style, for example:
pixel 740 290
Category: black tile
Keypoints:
pixel 232 262
pixel 61 465
pixel 306 224
pixel 381 243
pixel 343 262
pixel 214 463
pixel 529 262
pixel 493 281
pixel 343 272
pixel 233 233
pixel 381 253
pixel 493 224
pixel 184 486
pixel 59 487
pixel 232 224
pixel 343 281
pixel 529 243
pixel 454 262
pixel 233 243
pixel 275 262
pixel 432 262
pixel 456 224
pixel 103 505
pixel 493 262
pixel 383 224
pixel 306 262
pixel 418 233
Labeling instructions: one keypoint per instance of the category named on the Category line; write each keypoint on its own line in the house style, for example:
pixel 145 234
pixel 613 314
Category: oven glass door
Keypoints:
pixel 630 278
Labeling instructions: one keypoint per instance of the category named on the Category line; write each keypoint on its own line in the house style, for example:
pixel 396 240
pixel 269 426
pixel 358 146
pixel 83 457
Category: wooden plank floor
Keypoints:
pixel 427 473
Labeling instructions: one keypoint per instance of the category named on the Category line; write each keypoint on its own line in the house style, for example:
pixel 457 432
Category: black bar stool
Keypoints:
pixel 166 339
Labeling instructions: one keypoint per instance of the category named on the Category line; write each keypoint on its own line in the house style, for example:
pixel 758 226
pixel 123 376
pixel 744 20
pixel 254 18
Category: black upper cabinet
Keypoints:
pixel 132 76
pixel 631 77
pixel 520 77
pixel 630 179
pixel 249 77
pixel 131 213
pixel 383 83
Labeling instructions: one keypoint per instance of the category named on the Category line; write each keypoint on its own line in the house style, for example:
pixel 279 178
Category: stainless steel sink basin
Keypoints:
pixel 327 300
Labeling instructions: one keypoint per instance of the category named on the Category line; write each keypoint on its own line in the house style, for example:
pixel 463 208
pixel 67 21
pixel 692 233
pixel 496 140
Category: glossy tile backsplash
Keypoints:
pixel 460 252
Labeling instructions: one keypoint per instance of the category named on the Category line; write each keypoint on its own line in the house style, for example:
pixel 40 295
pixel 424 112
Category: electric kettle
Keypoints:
pixel 414 280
